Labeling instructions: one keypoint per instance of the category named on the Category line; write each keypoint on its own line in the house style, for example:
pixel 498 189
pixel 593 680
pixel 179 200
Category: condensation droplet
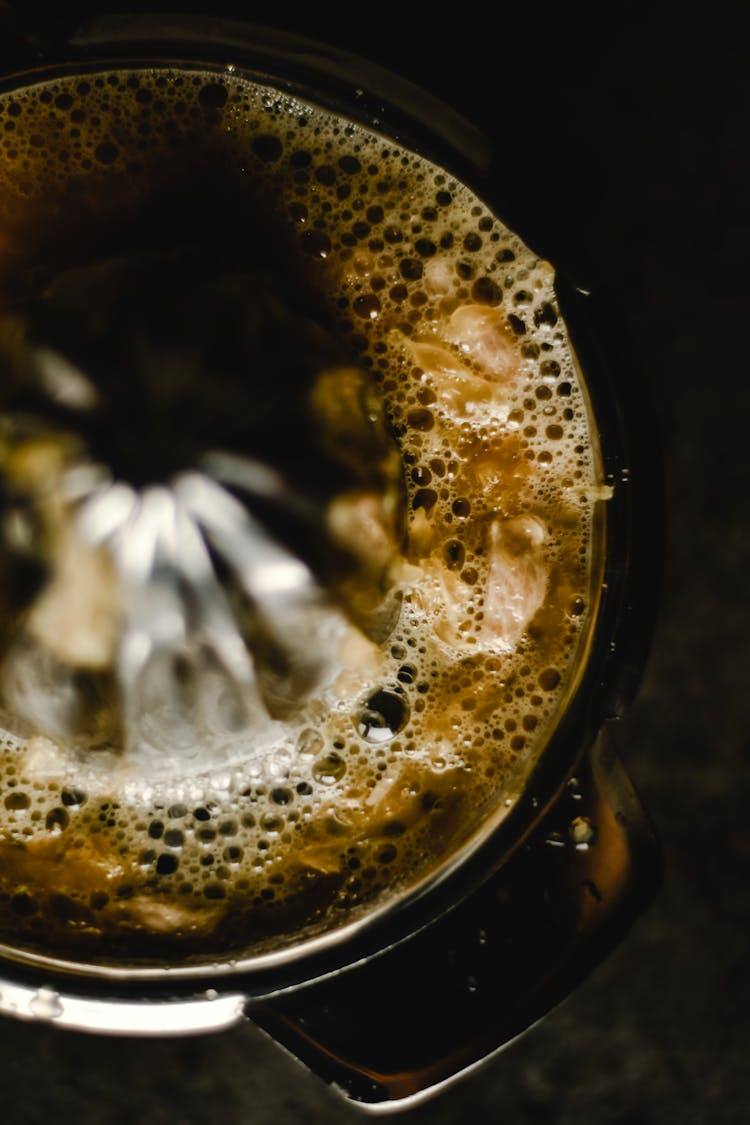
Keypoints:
pixel 574 789
pixel 582 832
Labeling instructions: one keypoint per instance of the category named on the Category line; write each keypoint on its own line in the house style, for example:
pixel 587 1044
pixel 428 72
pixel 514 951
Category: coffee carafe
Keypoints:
pixel 224 553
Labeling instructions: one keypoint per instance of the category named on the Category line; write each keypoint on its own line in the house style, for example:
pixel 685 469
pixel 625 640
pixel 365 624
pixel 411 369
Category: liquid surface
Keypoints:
pixel 475 534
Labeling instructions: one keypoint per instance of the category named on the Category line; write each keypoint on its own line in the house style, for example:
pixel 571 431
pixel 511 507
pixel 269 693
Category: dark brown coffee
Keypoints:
pixel 431 413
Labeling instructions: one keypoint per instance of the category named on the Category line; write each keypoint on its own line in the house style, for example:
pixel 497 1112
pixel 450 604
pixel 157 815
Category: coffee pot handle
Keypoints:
pixel 201 1014
pixel 394 1030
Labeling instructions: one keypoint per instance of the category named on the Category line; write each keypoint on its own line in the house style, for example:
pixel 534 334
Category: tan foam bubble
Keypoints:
pixel 457 323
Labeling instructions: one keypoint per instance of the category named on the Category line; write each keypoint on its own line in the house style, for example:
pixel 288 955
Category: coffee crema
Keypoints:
pixel 471 506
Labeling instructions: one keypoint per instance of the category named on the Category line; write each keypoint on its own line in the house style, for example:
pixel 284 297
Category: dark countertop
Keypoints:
pixel 635 152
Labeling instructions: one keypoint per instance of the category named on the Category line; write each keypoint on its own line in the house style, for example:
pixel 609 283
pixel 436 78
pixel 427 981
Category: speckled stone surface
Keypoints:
pixel 634 154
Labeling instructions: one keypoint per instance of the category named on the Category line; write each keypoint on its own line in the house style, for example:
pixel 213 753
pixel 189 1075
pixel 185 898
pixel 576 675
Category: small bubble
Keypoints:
pixel 549 679
pixel 385 714
pixel 425 498
pixel 17 801
pixel 57 820
pixel 268 148
pixel 367 306
pixel 309 743
pixel 545 315
pixel 73 798
pixel 213 95
pixel 106 153
pixel 411 269
pixel 329 769
pixel 406 674
pixel 350 165
pixel 166 864
pixel 486 292
pixel 421 419
pixel 425 247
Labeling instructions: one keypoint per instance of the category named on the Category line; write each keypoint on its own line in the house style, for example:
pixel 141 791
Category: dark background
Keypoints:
pixel 625 136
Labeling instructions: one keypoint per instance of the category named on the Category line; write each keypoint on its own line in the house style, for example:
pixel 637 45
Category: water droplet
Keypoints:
pixel 471 984
pixel 45 1004
pixel 574 789
pixel 555 840
pixel 582 832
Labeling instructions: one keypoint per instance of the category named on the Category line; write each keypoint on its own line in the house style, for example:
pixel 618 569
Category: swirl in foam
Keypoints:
pixel 481 596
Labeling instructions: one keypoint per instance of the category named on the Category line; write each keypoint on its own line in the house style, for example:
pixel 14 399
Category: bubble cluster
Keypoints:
pixel 457 324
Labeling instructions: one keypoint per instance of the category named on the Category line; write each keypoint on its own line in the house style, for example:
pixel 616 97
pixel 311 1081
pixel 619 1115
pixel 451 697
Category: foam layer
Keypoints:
pixel 486 605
